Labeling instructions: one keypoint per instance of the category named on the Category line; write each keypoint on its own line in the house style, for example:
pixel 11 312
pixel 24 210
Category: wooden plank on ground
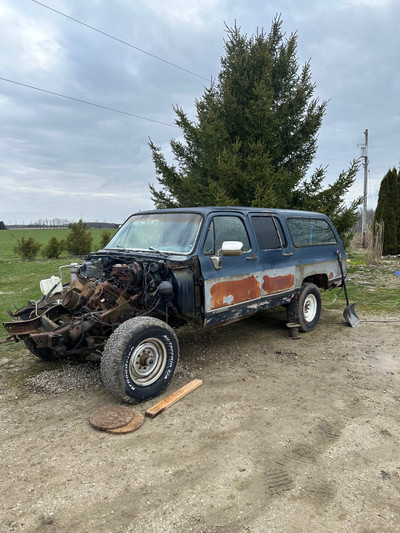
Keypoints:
pixel 173 398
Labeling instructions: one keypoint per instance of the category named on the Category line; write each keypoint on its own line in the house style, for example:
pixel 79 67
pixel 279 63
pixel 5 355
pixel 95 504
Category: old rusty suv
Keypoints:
pixel 204 267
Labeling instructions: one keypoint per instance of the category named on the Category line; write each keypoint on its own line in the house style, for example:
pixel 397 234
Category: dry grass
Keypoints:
pixel 374 244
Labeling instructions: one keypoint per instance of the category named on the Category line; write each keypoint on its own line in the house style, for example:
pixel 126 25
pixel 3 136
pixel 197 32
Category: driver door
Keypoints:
pixel 233 290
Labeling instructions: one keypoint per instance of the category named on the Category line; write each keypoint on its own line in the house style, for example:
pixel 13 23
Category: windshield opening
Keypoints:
pixel 163 232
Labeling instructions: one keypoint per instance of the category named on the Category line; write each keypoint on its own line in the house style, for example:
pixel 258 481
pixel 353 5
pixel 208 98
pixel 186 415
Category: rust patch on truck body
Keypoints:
pixel 230 292
pixel 272 284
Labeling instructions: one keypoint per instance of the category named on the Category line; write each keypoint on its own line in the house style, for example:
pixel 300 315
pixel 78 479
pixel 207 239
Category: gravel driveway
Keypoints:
pixel 283 436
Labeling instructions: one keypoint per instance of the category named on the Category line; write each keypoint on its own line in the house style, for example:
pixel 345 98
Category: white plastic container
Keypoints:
pixel 47 284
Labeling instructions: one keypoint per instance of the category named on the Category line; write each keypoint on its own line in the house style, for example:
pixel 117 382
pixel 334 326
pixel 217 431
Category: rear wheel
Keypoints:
pixel 139 359
pixel 306 310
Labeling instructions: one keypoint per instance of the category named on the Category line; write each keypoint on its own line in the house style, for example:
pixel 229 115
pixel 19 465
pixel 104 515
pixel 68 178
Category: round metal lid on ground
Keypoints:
pixel 111 417
pixel 133 425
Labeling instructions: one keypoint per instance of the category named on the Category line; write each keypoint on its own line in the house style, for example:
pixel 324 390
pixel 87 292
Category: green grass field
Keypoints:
pixel 375 289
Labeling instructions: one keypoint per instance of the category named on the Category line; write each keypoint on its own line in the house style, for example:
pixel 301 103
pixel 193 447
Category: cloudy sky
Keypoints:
pixel 60 158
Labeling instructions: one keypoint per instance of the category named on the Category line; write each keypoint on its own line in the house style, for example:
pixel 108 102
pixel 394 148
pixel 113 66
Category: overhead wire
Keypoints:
pixel 122 41
pixel 140 50
pixel 337 128
pixel 60 95
pixel 330 125
pixel 88 103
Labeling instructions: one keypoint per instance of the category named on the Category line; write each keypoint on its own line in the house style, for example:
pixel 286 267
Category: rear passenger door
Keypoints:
pixel 275 259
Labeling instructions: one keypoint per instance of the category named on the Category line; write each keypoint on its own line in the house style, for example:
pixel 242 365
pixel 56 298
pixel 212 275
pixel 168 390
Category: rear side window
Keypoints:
pixel 266 230
pixel 310 231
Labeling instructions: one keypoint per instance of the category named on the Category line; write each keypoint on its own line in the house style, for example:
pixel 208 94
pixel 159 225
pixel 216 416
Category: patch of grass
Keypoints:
pixel 19 280
pixel 374 288
pixel 356 256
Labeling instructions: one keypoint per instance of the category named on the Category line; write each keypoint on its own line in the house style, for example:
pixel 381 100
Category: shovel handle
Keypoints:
pixel 339 256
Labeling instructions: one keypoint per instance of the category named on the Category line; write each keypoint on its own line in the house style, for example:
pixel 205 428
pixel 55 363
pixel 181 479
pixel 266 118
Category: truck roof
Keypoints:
pixel 235 209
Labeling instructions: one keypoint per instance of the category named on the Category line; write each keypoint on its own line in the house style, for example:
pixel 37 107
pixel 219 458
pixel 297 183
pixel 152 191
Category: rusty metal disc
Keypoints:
pixel 111 417
pixel 133 425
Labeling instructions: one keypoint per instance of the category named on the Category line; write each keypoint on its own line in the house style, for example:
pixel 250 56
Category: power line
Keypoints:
pixel 329 125
pixel 87 103
pixel 123 42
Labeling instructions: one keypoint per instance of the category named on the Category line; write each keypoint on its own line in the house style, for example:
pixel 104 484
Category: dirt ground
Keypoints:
pixel 283 436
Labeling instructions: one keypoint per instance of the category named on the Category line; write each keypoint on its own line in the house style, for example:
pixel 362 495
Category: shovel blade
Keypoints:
pixel 350 315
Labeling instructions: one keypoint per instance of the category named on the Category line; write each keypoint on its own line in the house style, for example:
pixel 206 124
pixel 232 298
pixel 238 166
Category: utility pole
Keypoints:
pixel 364 155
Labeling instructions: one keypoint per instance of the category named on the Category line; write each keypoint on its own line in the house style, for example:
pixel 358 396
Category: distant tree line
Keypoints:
pixel 57 223
pixel 50 223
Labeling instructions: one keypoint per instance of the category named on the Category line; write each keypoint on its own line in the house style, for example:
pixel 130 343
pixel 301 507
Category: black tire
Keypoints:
pixel 139 359
pixel 306 309
pixel 43 353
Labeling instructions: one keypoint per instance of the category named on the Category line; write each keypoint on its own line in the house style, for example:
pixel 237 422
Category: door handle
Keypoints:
pixel 288 254
pixel 252 258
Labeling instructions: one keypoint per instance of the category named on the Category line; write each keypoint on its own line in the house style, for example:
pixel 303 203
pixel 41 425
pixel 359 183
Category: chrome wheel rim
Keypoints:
pixel 147 362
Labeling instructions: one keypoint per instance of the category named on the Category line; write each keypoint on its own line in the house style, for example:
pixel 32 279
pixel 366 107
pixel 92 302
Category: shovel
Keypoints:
pixel 349 313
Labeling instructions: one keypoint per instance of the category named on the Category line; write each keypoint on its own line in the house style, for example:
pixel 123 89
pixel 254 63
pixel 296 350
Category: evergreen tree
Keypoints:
pixel 78 240
pixel 27 249
pixel 53 248
pixel 255 136
pixel 388 210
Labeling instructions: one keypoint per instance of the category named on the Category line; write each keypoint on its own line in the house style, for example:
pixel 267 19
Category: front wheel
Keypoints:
pixel 139 359
pixel 306 310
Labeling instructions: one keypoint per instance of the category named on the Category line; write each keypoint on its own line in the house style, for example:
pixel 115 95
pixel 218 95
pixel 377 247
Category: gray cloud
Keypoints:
pixel 61 158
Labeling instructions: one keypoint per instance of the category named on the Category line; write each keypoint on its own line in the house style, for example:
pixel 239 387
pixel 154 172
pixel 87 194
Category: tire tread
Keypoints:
pixel 112 359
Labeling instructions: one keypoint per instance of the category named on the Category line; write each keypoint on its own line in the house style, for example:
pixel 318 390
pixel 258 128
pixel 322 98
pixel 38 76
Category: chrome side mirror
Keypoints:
pixel 229 248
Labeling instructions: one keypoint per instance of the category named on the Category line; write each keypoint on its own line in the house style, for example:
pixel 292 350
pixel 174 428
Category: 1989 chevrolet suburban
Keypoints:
pixel 200 266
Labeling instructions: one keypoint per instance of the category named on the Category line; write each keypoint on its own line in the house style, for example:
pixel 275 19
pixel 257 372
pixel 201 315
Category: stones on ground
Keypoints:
pixel 69 378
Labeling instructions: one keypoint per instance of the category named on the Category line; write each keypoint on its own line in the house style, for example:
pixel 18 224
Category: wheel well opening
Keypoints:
pixel 320 280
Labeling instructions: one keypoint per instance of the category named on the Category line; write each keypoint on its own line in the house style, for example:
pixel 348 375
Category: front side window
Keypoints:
pixel 225 228
pixel 163 232
pixel 310 231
